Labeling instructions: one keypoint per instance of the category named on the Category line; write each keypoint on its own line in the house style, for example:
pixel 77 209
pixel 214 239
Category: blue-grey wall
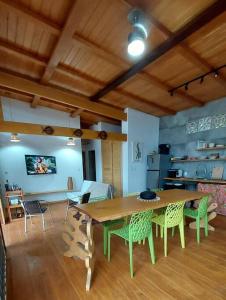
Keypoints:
pixel 12 161
pixel 173 131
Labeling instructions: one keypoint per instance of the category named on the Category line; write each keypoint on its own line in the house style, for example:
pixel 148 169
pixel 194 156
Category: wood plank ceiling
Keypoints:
pixel 80 46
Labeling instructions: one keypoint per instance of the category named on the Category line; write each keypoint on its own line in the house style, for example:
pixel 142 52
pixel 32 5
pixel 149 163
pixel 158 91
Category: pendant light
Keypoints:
pixel 137 38
pixel 14 138
pixel 70 142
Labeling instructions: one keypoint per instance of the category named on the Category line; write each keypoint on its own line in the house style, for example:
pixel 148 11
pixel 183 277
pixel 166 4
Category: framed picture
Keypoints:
pixel 137 151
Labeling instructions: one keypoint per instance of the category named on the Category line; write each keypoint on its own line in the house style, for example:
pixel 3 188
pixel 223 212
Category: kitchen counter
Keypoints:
pixel 186 179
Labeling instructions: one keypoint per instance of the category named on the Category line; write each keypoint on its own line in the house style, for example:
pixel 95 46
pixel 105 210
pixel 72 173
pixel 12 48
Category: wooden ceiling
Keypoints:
pixel 79 47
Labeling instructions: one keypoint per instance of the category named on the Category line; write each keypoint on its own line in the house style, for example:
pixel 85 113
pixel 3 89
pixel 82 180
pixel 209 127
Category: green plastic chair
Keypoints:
pixel 107 224
pixel 157 211
pixel 198 214
pixel 139 228
pixel 111 224
pixel 173 217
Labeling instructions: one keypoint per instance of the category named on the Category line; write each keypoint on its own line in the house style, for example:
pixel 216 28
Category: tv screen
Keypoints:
pixel 40 164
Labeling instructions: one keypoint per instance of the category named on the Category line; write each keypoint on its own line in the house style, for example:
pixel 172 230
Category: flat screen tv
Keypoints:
pixel 40 164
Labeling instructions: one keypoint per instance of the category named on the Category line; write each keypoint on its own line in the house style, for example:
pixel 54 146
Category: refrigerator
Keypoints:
pixel 157 166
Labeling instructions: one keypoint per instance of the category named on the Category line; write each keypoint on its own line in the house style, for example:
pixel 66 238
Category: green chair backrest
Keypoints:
pixel 174 214
pixel 140 225
pixel 203 205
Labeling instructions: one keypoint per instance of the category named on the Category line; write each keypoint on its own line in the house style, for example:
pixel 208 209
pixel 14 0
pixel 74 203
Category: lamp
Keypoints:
pixel 70 142
pixel 14 138
pixel 136 44
pixel 136 39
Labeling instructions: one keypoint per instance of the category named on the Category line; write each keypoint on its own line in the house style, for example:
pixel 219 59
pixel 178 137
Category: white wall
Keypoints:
pixel 143 128
pixel 12 160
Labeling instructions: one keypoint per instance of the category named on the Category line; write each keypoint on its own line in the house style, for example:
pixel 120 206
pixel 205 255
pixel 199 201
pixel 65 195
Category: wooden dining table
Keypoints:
pixel 78 233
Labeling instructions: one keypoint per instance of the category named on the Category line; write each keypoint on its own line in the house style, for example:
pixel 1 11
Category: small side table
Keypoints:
pixel 10 195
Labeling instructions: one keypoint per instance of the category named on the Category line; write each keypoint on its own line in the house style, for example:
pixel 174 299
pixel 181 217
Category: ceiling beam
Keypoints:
pixel 28 14
pixel 18 51
pixel 114 59
pixel 37 129
pixel 78 39
pixel 50 104
pixel 179 36
pixel 183 47
pixel 72 99
pixel 120 92
pixel 35 101
pixel 55 29
pixel 76 113
pixel 62 45
pixel 71 72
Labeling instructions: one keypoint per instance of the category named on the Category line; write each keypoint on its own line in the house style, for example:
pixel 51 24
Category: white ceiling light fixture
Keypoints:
pixel 70 142
pixel 137 38
pixel 14 138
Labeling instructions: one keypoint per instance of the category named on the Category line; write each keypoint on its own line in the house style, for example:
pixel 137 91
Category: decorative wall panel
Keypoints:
pixel 206 123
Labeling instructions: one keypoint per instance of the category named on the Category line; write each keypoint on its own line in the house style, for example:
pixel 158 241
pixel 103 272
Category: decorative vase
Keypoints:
pixel 70 183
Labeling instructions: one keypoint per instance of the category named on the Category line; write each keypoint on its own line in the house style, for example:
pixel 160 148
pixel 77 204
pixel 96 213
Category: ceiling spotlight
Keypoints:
pixel 137 38
pixel 70 142
pixel 186 86
pixel 136 44
pixel 14 138
pixel 216 74
pixel 201 80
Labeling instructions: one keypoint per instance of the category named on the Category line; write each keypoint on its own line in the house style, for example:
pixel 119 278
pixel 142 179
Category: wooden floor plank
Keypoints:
pixel 38 270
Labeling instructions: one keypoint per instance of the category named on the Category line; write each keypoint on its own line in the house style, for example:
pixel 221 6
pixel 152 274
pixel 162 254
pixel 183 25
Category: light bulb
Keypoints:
pixel 136 47
pixel 70 142
pixel 14 138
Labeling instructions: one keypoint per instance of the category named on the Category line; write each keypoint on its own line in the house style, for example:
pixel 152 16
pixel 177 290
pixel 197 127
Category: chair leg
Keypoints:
pixel 43 222
pixel 206 224
pixel 165 240
pixel 66 214
pixel 161 231
pixel 156 230
pixel 105 240
pixel 131 258
pixel 31 220
pixel 25 223
pixel 173 231
pixel 50 213
pixel 143 241
pixel 151 247
pixel 109 246
pixel 198 229
pixel 181 229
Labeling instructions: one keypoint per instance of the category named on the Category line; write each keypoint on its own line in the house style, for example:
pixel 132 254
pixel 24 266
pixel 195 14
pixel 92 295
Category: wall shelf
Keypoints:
pixel 186 179
pixel 196 160
pixel 211 148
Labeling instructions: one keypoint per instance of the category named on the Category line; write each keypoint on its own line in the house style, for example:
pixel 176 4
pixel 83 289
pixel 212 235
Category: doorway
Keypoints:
pixel 89 165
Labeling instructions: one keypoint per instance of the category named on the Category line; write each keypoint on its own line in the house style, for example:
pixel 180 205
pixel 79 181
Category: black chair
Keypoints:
pixel 84 199
pixel 33 208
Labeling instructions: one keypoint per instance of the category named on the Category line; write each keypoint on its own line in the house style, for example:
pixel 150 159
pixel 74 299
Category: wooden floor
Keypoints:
pixel 38 270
